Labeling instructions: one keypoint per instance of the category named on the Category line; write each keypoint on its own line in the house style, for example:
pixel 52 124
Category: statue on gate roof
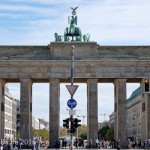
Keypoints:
pixel 72 30
pixel 73 10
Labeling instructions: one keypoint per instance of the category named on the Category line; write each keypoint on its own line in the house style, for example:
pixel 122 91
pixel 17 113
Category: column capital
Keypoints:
pixel 25 79
pixel 2 81
pixel 54 79
pixel 117 80
pixel 90 80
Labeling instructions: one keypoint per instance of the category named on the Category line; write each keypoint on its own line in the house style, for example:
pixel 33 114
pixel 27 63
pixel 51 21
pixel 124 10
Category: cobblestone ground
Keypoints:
pixel 98 149
pixel 88 149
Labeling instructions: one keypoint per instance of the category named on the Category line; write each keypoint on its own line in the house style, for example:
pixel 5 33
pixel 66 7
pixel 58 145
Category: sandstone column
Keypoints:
pixel 145 124
pixel 92 111
pixel 120 112
pixel 54 112
pixel 26 109
pixel 2 108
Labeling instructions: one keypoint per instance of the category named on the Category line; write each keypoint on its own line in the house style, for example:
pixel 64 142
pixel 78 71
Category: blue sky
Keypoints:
pixel 109 22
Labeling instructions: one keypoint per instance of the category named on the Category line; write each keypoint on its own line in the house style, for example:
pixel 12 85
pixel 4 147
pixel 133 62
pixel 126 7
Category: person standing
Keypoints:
pixel 1 146
pixel 9 146
pixel 57 144
pixel 65 143
pixel 14 145
pixel 37 144
pixel 90 144
pixel 97 143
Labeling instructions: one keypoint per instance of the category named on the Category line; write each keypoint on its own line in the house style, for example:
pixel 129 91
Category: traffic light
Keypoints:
pixel 72 128
pixel 146 85
pixel 77 122
pixel 66 123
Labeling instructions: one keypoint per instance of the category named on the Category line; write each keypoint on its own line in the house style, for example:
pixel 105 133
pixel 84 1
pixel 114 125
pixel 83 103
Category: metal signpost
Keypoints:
pixel 72 125
pixel 73 122
pixel 71 100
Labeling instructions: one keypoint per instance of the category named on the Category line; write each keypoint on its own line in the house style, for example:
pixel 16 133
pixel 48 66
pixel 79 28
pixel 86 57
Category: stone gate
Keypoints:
pixel 93 64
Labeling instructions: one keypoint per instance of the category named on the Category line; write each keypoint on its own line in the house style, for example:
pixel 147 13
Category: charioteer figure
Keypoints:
pixel 73 30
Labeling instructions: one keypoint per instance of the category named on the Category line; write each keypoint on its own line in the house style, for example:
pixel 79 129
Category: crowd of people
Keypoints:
pixel 138 144
pixel 9 145
pixel 22 144
pixel 102 144
pixel 77 143
pixel 80 143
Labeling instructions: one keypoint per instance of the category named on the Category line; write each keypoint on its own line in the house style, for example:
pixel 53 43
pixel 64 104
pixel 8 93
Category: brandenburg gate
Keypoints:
pixel 93 64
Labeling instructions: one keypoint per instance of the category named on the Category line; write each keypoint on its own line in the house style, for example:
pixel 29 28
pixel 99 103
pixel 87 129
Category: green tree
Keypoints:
pixel 35 132
pixel 42 132
pixel 110 134
pixel 63 132
pixel 102 132
pixel 18 135
pixel 82 132
pixel 83 136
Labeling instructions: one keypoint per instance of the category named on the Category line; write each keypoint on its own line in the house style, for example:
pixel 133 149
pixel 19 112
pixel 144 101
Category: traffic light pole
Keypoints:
pixel 72 66
pixel 71 123
pixel 72 76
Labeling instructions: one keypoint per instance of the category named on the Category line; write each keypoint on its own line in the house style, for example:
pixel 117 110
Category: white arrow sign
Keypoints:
pixel 72 89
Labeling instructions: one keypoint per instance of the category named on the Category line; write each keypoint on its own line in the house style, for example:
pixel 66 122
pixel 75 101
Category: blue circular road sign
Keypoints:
pixel 72 103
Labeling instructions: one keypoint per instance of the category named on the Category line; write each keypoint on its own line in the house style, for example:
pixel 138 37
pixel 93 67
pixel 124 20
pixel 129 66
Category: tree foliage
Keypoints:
pixel 18 135
pixel 42 132
pixel 102 132
pixel 83 136
pixel 63 132
pixel 110 135
pixel 82 132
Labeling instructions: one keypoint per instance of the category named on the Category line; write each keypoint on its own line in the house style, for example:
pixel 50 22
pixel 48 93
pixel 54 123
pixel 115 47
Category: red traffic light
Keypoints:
pixel 146 85
pixel 146 80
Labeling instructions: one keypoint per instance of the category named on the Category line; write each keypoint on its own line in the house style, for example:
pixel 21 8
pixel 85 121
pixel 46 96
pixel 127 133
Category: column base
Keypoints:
pixel 51 147
pixel 26 147
pixel 123 147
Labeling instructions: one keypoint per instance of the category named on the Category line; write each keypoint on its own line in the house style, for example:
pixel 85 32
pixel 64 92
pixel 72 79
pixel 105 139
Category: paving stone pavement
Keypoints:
pixel 88 149
pixel 96 149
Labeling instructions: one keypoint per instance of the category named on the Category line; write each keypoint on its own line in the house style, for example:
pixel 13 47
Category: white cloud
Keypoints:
pixel 110 21
pixel 117 22
pixel 28 10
